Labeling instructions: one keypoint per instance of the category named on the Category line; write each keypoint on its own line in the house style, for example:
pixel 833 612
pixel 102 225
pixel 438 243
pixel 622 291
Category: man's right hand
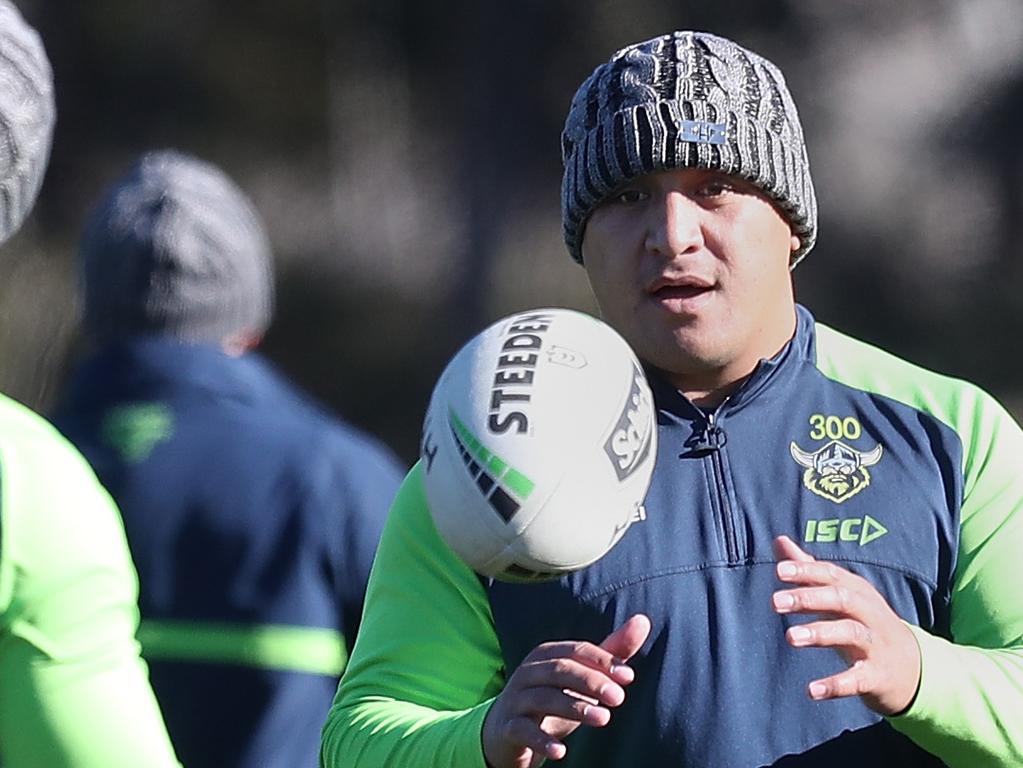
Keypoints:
pixel 558 687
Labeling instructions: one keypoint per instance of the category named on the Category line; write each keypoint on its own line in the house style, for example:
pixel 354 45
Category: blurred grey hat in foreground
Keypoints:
pixel 175 248
pixel 685 100
pixel 27 115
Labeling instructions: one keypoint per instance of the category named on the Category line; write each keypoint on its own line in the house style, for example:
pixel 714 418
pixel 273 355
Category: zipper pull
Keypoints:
pixel 706 440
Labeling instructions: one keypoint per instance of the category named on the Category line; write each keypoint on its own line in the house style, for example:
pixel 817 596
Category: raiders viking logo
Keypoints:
pixel 836 471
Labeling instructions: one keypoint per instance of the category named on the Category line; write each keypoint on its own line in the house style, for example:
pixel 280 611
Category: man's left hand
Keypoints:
pixel 857 622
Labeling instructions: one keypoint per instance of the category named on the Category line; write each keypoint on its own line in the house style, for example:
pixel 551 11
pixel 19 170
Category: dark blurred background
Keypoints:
pixel 405 156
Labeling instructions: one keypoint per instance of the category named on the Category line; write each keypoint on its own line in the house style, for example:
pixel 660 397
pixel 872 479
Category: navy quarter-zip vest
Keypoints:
pixel 853 477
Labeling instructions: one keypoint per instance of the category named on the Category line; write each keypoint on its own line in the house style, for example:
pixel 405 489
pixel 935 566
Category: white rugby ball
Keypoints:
pixel 538 445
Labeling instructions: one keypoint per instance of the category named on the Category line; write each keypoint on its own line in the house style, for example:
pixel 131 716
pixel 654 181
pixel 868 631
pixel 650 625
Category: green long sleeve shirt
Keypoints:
pixel 73 688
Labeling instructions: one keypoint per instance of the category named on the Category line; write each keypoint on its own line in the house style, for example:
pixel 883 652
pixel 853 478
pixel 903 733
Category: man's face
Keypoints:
pixel 692 268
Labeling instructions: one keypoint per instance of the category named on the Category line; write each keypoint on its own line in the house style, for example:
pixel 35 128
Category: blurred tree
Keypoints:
pixel 406 157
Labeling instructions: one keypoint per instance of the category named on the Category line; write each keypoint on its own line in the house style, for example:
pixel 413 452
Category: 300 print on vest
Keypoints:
pixel 836 471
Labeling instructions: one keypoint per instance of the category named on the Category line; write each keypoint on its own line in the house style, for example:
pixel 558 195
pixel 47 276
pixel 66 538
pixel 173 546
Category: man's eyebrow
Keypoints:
pixel 741 184
pixel 632 183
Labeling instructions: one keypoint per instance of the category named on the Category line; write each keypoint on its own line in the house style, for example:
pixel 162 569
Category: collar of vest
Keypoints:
pixel 769 375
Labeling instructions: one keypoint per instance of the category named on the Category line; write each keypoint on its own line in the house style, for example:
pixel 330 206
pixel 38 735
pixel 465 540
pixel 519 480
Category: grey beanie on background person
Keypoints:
pixel 685 100
pixel 176 249
pixel 27 116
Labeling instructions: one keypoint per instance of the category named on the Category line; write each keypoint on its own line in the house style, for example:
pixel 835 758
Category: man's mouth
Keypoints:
pixel 681 291
pixel 681 295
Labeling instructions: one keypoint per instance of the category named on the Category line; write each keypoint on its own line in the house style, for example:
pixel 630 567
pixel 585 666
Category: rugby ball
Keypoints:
pixel 538 445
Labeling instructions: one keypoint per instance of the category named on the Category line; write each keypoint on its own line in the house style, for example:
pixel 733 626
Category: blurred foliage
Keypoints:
pixel 405 157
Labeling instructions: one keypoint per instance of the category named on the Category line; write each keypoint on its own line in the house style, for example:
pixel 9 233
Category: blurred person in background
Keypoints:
pixel 251 514
pixel 73 689
pixel 891 634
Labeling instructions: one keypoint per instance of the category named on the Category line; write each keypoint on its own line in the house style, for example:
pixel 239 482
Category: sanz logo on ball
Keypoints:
pixel 629 442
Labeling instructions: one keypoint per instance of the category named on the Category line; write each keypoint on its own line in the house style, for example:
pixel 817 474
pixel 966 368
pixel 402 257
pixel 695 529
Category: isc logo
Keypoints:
pixel 862 530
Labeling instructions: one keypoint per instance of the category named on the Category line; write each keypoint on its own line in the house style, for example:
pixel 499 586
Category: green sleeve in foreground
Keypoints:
pixel 967 710
pixel 75 692
pixel 426 663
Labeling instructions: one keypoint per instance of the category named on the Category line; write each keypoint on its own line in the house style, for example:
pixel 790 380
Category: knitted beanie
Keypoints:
pixel 175 248
pixel 685 100
pixel 27 115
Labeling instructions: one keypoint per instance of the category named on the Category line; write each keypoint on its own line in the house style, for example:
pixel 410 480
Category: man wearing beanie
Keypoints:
pixel 824 575
pixel 252 515
pixel 73 689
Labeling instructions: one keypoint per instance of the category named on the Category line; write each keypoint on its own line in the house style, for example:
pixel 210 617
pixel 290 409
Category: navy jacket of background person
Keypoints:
pixel 253 519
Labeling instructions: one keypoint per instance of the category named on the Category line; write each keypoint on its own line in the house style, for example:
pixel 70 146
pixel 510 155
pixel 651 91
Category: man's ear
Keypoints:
pixel 795 243
pixel 240 342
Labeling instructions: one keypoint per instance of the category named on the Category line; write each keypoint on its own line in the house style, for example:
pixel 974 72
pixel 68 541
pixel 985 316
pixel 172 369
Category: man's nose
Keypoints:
pixel 675 226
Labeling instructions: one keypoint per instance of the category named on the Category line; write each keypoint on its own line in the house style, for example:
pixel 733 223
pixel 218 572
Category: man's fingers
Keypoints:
pixel 546 717
pixel 786 549
pixel 547 701
pixel 587 654
pixel 852 682
pixel 557 687
pixel 857 621
pixel 815 573
pixel 844 633
pixel 562 674
pixel 838 600
pixel 527 733
pixel 625 641
pixel 609 657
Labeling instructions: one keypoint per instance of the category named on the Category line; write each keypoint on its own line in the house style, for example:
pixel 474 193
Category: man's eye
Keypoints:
pixel 715 188
pixel 628 196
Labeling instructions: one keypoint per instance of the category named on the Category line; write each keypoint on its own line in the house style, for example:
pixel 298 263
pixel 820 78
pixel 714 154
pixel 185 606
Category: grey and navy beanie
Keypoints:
pixel 685 100
pixel 176 249
pixel 27 115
